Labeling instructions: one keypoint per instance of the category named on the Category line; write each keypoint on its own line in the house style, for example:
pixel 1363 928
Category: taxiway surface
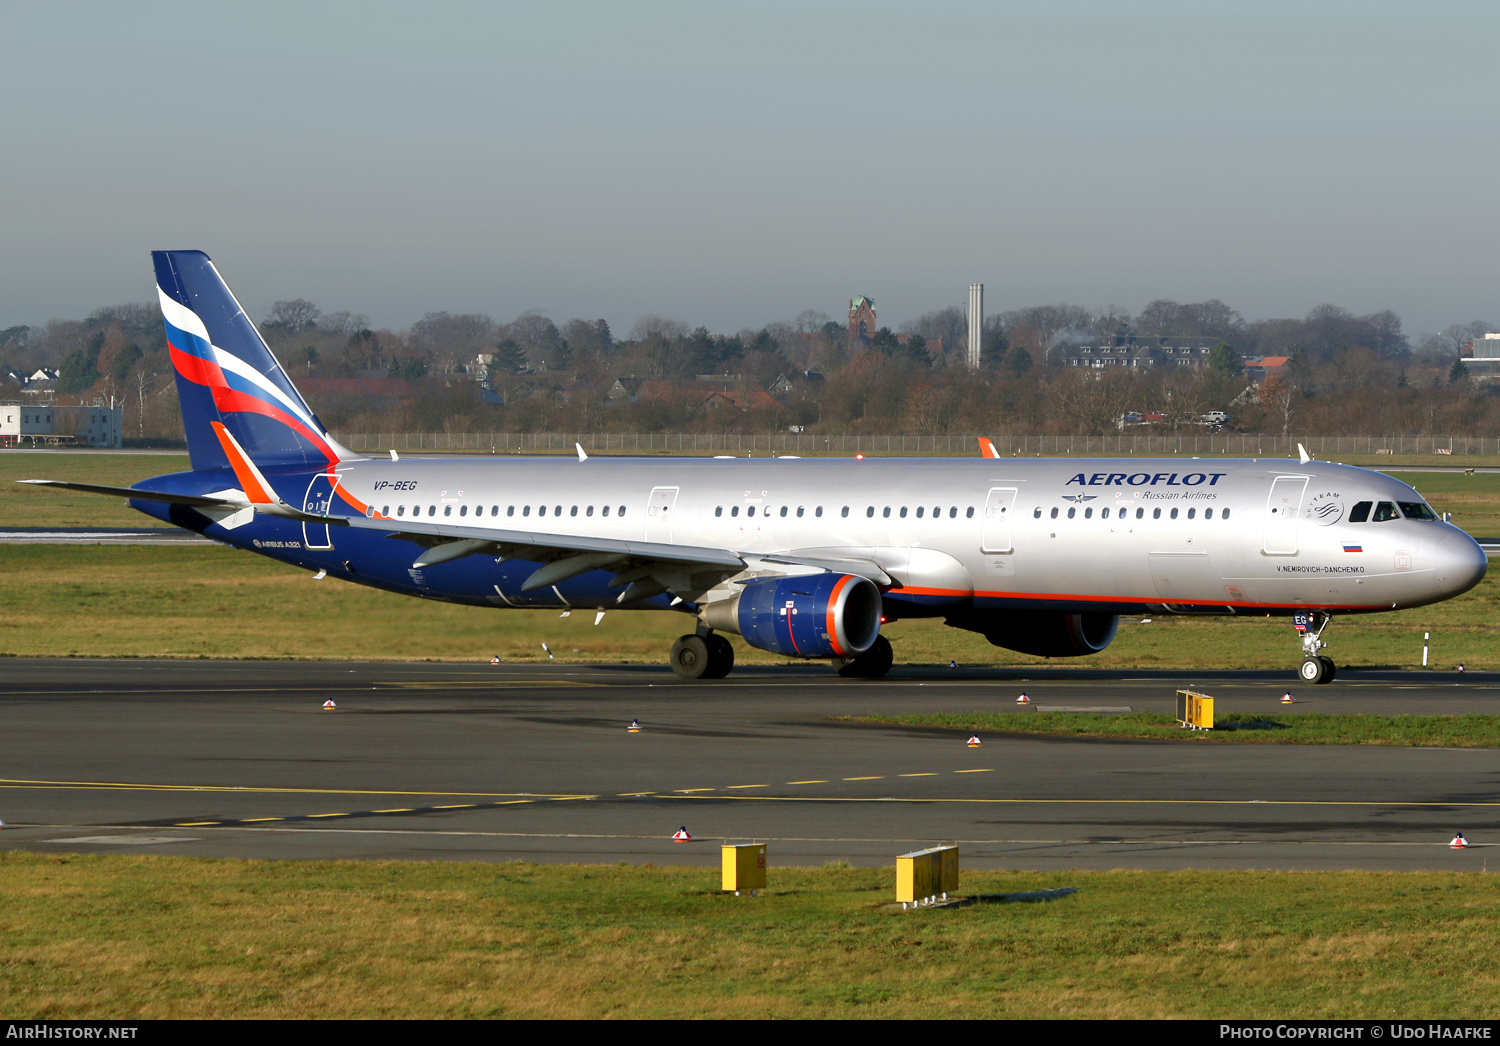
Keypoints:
pixel 533 762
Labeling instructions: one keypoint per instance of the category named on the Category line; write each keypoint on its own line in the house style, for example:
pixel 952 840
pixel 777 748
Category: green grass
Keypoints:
pixel 1290 728
pixel 26 506
pixel 88 937
pixel 211 601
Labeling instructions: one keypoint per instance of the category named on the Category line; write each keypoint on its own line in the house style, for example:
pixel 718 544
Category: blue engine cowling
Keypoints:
pixel 815 615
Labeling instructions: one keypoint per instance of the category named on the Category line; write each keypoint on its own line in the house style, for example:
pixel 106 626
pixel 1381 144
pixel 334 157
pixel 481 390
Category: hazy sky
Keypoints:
pixel 733 164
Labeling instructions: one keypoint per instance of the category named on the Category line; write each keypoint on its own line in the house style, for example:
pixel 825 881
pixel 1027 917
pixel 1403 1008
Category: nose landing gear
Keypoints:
pixel 1315 668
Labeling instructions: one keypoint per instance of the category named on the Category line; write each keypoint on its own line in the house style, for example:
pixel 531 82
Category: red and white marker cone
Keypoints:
pixel 495 660
pixel 1023 699
pixel 1288 699
pixel 1459 842
pixel 681 835
pixel 974 741
pixel 634 727
pixel 329 706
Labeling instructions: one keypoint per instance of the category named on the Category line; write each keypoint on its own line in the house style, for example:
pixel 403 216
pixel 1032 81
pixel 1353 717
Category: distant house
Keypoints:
pixel 1259 368
pixel 1137 352
pixel 758 399
pixel 623 390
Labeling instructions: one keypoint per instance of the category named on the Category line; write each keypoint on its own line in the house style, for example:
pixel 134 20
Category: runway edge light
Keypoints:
pixel 974 741
pixel 329 706
pixel 1022 699
pixel 681 835
pixel 1459 842
pixel 743 867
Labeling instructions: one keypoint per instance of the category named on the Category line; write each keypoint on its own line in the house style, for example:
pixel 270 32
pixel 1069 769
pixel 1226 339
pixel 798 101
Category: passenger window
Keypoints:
pixel 557 511
pixel 969 513
pixel 1208 513
pixel 953 512
pixel 494 510
pixel 573 511
pixel 783 512
pixel 432 510
pixel 818 512
pixel 799 512
pixel 1140 513
pixel 1192 512
pixel 606 510
pixel 1104 514
pixel 1174 513
pixel 734 510
pixel 843 513
pixel 525 510
pixel 386 511
pixel 400 510
pixel 903 511
pixel 447 510
pixel 1054 513
pixel 622 510
pixel 870 512
pixel 1088 513
pixel 750 511
pixel 718 510
pixel 510 510
pixel 1385 511
pixel 936 512
pixel 1360 513
pixel 541 510
pixel 589 511
pixel 1224 514
pixel 1036 513
pixel 464 511
pixel 886 512
pixel 1071 511
pixel 1156 513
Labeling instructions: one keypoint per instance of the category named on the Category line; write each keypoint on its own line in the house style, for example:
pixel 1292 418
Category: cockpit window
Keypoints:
pixel 1386 511
pixel 1417 510
pixel 1360 513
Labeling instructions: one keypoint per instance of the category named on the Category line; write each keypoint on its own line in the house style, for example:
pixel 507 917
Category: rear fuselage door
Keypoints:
pixel 659 514
pixel 999 507
pixel 1282 509
pixel 319 501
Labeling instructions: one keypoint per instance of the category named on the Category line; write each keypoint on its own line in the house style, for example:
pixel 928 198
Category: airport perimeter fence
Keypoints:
pixel 943 444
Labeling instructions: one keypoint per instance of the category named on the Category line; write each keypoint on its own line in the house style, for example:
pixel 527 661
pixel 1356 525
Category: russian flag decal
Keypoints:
pixel 1353 548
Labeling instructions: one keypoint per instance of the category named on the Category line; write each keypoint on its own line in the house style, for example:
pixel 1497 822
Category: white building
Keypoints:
pixel 34 424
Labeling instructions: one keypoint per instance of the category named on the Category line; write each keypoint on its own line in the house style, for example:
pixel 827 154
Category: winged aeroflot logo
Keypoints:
pixel 1080 498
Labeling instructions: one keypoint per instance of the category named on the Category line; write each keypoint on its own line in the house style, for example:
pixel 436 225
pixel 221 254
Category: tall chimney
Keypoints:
pixel 976 323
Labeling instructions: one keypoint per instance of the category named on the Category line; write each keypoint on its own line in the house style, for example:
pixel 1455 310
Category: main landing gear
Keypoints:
pixel 872 664
pixel 1315 668
pixel 702 657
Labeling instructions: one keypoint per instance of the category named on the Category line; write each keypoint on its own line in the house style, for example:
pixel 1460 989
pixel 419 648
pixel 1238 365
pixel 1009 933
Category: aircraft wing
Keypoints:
pixel 644 568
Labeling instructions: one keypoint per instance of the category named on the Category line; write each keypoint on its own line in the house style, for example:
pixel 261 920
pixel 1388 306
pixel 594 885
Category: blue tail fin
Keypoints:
pixel 226 374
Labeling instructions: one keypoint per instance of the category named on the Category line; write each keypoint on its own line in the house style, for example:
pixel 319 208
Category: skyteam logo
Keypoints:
pixel 1326 509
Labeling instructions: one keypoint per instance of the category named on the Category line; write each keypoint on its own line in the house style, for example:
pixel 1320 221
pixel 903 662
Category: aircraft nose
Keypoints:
pixel 1461 563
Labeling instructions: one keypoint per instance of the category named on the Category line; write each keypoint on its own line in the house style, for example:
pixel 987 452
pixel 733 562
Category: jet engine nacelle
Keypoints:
pixel 812 615
pixel 1043 634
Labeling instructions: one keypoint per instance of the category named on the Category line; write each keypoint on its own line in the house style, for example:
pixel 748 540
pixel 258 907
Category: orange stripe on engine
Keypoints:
pixel 833 601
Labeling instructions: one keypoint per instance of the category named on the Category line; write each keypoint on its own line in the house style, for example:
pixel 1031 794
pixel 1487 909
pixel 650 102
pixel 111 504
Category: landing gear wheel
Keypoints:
pixel 720 656
pixel 1332 670
pixel 872 664
pixel 690 657
pixel 1313 670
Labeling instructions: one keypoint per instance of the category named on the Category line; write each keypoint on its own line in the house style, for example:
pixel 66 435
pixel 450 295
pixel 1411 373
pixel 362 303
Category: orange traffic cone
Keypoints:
pixel 974 741
pixel 1459 842
pixel 681 835
pixel 1023 699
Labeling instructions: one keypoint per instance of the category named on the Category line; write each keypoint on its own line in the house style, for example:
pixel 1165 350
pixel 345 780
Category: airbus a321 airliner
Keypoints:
pixel 807 558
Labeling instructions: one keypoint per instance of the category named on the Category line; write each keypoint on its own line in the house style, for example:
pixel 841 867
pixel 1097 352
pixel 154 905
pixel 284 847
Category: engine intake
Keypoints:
pixel 814 615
